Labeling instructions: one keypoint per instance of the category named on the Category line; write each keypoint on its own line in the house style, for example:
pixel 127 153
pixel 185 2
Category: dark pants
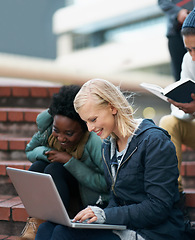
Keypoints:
pixel 177 51
pixel 66 184
pixel 51 231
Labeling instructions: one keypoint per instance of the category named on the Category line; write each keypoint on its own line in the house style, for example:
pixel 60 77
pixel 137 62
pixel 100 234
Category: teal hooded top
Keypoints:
pixel 88 170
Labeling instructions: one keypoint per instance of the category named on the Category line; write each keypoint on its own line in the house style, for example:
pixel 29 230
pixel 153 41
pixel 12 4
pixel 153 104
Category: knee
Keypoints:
pixel 168 122
pixel 45 230
pixel 54 168
pixel 62 232
pixel 60 228
pixel 38 166
pixel 46 225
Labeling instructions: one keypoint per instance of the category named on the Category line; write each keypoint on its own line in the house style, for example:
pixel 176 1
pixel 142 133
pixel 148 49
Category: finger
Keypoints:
pixel 50 158
pixel 89 214
pixel 79 215
pixel 176 104
pixel 182 106
pixel 93 219
pixel 51 152
pixel 171 101
pixel 84 214
pixel 193 96
pixel 87 217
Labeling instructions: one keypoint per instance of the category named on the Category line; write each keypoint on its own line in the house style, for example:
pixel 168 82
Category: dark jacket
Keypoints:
pixel 171 10
pixel 145 190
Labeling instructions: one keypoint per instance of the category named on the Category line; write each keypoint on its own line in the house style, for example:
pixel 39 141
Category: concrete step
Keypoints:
pixel 188 154
pixel 19 122
pixel 190 203
pixel 13 148
pixel 12 209
pixel 188 168
pixel 20 103
pixel 188 174
pixel 18 129
pixel 12 215
pixel 26 96
pixel 6 186
pixel 28 91
pixel 13 115
pixel 12 212
pixel 16 164
pixel 8 143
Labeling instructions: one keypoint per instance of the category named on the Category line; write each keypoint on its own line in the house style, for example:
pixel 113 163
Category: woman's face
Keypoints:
pixel 67 131
pixel 100 120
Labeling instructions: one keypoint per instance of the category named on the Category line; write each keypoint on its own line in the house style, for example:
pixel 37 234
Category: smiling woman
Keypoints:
pixel 140 166
pixel 68 132
pixel 65 149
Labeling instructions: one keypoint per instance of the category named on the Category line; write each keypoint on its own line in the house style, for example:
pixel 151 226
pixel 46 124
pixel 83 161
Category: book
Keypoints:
pixel 179 91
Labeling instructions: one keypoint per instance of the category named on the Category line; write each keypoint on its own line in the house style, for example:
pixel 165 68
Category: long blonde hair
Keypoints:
pixel 104 93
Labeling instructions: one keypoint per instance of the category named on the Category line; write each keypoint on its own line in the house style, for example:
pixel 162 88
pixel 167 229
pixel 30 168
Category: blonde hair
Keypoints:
pixel 104 93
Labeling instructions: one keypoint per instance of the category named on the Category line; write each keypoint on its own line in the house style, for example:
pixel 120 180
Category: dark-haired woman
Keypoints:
pixel 64 148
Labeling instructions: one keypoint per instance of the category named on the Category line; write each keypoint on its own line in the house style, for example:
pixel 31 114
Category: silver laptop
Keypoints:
pixel 42 200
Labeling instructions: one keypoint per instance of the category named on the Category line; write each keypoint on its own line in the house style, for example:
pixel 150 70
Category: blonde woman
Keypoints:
pixel 140 167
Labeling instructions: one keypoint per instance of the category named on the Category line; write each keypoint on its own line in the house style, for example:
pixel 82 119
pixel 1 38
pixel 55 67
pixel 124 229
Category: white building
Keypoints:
pixel 114 38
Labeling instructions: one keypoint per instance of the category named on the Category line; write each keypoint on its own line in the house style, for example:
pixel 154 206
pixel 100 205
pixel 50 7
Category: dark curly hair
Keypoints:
pixel 62 104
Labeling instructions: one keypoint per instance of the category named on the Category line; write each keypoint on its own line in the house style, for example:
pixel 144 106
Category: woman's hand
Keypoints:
pixel 186 107
pixel 85 214
pixel 56 156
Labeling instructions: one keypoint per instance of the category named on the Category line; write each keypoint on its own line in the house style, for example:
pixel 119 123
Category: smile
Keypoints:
pixel 99 132
pixel 64 143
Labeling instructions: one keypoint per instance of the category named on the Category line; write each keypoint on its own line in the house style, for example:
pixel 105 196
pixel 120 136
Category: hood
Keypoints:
pixel 147 124
pixel 44 120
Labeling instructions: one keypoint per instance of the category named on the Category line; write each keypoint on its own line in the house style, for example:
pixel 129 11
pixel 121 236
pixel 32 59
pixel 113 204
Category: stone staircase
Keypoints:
pixel 19 106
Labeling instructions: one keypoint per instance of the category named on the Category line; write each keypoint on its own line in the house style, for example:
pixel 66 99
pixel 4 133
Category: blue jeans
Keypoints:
pixel 51 231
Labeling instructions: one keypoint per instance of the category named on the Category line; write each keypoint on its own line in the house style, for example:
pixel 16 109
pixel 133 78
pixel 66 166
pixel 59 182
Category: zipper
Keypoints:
pixel 114 180
pixel 108 168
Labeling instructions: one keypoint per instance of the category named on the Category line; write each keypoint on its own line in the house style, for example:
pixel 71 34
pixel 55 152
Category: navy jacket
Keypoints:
pixel 145 190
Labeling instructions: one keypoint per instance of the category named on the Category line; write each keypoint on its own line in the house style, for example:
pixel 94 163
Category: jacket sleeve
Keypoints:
pixel 89 170
pixel 160 184
pixel 36 148
pixel 169 8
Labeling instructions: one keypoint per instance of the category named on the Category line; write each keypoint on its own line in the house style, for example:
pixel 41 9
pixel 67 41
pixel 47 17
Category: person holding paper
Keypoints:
pixel 176 11
pixel 181 123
